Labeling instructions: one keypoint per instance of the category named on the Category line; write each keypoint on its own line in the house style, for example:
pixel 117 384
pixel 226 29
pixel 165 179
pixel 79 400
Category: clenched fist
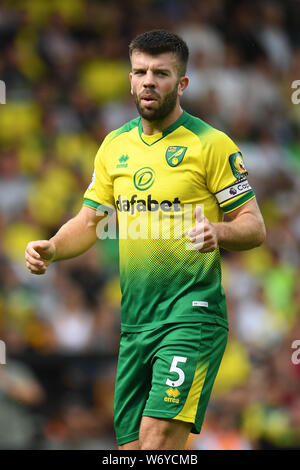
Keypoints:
pixel 203 235
pixel 38 255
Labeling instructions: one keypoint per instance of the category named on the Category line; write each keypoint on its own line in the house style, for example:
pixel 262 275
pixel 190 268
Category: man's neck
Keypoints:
pixel 155 127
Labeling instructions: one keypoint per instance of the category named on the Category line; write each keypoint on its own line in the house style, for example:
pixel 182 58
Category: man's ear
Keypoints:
pixel 130 78
pixel 183 83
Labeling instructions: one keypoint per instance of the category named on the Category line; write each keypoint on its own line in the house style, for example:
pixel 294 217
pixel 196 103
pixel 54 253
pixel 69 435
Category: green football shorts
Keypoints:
pixel 167 372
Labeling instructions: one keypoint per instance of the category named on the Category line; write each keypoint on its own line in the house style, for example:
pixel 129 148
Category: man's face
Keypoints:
pixel 155 84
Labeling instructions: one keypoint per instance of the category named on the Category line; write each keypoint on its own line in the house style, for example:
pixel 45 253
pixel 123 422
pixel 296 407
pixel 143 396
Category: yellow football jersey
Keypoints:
pixel 154 183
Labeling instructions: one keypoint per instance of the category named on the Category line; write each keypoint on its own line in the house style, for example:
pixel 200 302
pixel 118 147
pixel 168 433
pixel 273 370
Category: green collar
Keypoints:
pixel 152 139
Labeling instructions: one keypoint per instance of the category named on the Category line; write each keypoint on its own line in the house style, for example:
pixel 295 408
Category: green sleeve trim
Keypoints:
pixel 239 202
pixel 90 203
pixel 97 205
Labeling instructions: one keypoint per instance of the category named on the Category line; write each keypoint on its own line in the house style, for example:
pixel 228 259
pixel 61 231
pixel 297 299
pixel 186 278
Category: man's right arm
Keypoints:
pixel 72 239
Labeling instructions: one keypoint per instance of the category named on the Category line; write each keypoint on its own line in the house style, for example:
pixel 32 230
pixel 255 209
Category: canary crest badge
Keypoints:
pixel 175 154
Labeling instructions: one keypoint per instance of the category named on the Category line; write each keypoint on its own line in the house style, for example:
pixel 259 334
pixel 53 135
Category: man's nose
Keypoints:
pixel 149 79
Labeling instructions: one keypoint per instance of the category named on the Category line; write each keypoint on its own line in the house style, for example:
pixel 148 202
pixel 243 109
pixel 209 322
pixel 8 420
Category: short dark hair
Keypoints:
pixel 159 41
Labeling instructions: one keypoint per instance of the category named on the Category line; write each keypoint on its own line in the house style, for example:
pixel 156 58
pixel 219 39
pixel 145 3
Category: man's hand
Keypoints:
pixel 73 238
pixel 203 235
pixel 39 254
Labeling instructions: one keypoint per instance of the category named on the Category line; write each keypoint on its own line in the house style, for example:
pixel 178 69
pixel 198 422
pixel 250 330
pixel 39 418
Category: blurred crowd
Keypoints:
pixel 65 66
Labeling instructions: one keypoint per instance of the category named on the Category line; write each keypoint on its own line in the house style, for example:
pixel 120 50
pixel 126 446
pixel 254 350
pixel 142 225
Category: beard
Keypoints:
pixel 165 106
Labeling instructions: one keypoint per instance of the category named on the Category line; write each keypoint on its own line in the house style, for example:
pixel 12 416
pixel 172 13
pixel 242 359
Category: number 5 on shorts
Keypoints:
pixel 179 371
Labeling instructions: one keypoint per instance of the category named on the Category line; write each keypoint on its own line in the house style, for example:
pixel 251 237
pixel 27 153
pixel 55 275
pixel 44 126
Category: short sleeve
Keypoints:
pixel 100 190
pixel 226 176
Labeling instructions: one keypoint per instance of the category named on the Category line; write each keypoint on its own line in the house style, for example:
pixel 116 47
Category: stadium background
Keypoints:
pixel 65 67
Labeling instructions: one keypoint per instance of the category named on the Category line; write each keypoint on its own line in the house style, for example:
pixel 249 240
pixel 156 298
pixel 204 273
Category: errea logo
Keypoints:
pixel 122 161
pixel 173 394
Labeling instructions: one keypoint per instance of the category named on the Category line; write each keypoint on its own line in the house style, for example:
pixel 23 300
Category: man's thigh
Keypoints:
pixel 157 434
pixel 163 434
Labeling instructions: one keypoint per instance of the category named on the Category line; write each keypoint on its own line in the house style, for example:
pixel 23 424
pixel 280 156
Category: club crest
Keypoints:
pixel 175 154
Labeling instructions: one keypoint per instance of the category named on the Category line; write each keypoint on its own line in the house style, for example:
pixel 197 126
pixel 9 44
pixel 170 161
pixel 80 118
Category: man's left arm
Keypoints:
pixel 244 231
